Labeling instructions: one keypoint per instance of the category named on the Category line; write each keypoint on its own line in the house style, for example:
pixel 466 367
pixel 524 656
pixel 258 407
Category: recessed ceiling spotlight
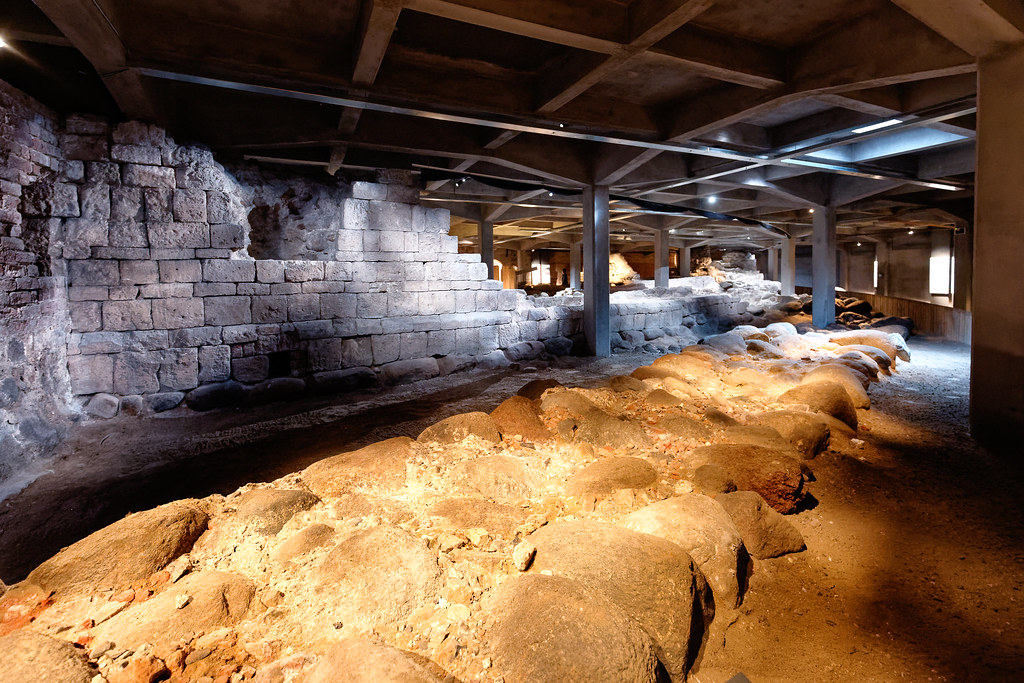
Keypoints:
pixel 561 125
pixel 712 199
pixel 910 232
pixel 858 244
pixel 812 210
pixel 550 193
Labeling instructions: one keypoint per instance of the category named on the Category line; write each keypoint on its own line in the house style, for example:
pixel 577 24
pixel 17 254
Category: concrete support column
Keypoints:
pixel 596 289
pixel 997 335
pixel 486 232
pixel 963 268
pixel 773 264
pixel 684 261
pixel 575 264
pixel 523 261
pixel 823 266
pixel 661 258
pixel 843 267
pixel 787 276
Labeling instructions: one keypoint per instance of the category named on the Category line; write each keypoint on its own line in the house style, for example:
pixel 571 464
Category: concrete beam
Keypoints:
pixel 979 27
pixel 92 33
pixel 596 288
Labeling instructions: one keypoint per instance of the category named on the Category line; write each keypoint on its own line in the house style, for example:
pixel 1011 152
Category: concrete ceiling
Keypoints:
pixel 757 106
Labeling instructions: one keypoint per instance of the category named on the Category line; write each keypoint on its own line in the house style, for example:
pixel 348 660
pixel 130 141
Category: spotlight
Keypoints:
pixel 3 43
pixel 561 125
pixel 910 232
pixel 876 126
pixel 712 199
pixel 812 210
pixel 858 244
pixel 550 193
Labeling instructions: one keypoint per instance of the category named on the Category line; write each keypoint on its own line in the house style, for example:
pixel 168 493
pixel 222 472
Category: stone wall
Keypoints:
pixel 34 323
pixel 140 275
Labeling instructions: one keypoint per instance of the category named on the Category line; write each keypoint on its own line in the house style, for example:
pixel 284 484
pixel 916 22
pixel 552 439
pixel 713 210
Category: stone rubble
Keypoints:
pixel 473 551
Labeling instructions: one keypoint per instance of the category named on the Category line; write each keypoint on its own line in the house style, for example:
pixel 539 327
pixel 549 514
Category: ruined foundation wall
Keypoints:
pixel 34 323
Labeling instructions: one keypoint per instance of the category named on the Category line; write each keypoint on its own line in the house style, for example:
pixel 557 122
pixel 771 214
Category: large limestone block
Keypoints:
pixel 808 433
pixel 774 474
pixel 354 660
pixel 214 600
pixel 826 397
pixel 549 629
pixel 765 532
pixel 378 468
pixel 517 415
pixel 30 657
pixel 378 576
pixel 660 585
pixel 603 429
pixel 611 474
pixel 131 549
pixel 270 509
pixel 502 478
pixel 700 526
pixel 473 513
pixel 458 427
pixel 840 374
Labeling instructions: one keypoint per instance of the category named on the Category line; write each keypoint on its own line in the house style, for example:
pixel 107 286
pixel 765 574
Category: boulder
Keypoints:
pixel 473 513
pixel 873 338
pixel 572 402
pixel 701 527
pixel 765 532
pixel 517 415
pixel 378 577
pixel 765 349
pixel 851 380
pixel 502 478
pixel 340 381
pixel 458 427
pixel 525 350
pixel 312 537
pixel 808 433
pixel 876 354
pixel 717 417
pixel 778 329
pixel 887 321
pixel 535 388
pixel 756 435
pixel 602 429
pixel 684 427
pixel 611 474
pixel 558 346
pixel 214 600
pixel 826 397
pixel 660 397
pixel 30 657
pixel 626 383
pixel 553 629
pixel 775 474
pixel 729 343
pixel 355 660
pixel 379 467
pixel 660 585
pixel 276 389
pixel 211 396
pixel 858 362
pixel 270 509
pixel 712 480
pixel 131 549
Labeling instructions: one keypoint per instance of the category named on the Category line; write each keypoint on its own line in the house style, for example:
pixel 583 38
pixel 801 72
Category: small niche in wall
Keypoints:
pixel 280 364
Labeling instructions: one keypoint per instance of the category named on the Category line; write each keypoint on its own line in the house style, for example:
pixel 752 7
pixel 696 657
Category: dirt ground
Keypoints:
pixel 915 548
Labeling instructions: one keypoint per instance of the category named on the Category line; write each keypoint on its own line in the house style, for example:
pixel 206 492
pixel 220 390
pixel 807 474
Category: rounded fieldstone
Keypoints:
pixel 270 509
pixel 212 396
pixel 167 400
pixel 825 397
pixel 775 474
pixel 611 474
pixel 377 468
pixel 354 660
pixel 103 406
pixel 30 657
pixel 553 629
pixel 458 427
pixel 517 415
pixel 765 532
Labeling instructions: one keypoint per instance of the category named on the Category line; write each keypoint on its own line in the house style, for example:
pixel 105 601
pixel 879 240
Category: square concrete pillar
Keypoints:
pixel 997 335
pixel 787 276
pixel 963 268
pixel 661 258
pixel 596 288
pixel 575 264
pixel 486 231
pixel 882 249
pixel 823 266
pixel 773 263
pixel 684 261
